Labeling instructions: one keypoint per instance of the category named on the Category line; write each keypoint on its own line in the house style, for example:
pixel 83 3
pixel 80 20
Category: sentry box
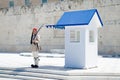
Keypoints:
pixel 81 37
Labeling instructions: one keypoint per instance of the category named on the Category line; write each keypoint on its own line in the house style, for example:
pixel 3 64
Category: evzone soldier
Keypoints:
pixel 35 48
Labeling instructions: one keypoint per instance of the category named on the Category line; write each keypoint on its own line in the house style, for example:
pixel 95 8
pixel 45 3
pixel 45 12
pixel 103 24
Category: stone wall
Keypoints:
pixel 109 38
pixel 16 24
pixel 4 3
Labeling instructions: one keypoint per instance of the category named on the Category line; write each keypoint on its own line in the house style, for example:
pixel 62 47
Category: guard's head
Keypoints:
pixel 34 30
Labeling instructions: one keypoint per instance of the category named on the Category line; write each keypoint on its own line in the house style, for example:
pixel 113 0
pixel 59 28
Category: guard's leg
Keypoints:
pixel 36 60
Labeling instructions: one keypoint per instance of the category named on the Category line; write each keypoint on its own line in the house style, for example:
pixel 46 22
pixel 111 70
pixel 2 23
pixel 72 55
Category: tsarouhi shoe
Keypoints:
pixel 34 66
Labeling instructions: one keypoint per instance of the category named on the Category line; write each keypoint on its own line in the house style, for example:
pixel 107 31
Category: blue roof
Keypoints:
pixel 81 17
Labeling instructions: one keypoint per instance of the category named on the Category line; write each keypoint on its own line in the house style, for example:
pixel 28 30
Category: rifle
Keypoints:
pixel 36 34
pixel 39 30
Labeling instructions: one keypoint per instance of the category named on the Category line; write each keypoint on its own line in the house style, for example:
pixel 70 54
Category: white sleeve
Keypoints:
pixel 38 37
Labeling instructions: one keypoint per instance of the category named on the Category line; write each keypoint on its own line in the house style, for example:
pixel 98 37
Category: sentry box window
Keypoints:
pixel 91 36
pixel 74 36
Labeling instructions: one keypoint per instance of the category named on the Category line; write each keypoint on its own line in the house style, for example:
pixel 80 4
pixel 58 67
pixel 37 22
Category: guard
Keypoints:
pixel 35 48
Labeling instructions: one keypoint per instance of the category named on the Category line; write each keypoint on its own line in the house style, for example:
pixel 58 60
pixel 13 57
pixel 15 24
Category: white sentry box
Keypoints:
pixel 81 44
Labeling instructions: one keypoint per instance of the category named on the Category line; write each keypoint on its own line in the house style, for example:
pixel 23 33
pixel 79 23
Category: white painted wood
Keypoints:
pixel 82 54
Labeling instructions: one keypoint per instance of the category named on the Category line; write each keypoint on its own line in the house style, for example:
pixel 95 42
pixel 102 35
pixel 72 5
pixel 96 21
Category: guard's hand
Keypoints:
pixel 33 41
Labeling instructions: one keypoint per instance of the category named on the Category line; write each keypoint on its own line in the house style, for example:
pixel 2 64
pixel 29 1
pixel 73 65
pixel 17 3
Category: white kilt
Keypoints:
pixel 34 50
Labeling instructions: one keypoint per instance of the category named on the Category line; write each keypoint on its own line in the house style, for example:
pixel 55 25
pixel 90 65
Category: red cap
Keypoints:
pixel 34 29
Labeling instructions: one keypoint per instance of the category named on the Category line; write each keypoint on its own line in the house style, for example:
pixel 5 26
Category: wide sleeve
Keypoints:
pixel 37 39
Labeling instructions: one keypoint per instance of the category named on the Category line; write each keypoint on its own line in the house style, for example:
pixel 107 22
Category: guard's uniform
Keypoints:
pixel 35 48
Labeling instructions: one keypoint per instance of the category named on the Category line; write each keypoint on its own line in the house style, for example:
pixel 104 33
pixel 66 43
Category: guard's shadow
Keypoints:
pixel 55 68
pixel 48 68
pixel 59 68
